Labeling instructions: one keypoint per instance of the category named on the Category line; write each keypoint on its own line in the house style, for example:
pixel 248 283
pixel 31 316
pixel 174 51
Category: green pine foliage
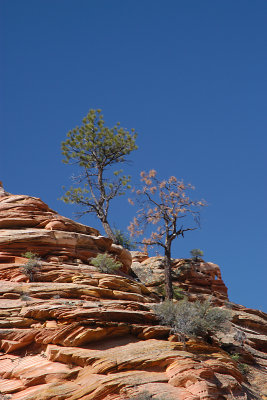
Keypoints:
pixel 178 293
pixel 105 263
pixel 235 357
pixel 30 255
pixel 124 240
pixel 95 149
pixel 196 254
pixel 243 368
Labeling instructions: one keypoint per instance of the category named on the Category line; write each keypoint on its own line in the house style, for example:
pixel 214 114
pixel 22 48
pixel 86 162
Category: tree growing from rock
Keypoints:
pixel 164 205
pixel 196 254
pixel 95 149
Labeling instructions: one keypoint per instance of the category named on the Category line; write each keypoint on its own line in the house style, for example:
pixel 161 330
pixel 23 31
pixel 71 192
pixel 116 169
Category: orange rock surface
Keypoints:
pixel 28 223
pixel 73 333
pixel 200 280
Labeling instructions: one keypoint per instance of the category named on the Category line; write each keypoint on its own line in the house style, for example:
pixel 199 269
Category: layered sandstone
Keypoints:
pixel 197 279
pixel 73 333
pixel 28 223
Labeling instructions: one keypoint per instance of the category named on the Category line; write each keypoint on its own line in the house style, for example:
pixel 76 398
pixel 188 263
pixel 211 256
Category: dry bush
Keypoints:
pixel 31 268
pixel 192 319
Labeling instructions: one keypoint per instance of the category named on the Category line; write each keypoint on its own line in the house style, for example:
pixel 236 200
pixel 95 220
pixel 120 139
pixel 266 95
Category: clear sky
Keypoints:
pixel 189 76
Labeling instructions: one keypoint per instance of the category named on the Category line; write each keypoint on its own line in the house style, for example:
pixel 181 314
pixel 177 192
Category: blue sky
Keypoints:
pixel 189 76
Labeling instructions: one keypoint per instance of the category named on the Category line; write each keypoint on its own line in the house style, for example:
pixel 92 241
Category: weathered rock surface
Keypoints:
pixel 19 211
pixel 69 332
pixel 28 223
pixel 199 280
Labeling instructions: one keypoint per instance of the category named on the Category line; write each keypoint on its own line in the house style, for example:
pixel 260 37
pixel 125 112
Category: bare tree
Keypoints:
pixel 165 205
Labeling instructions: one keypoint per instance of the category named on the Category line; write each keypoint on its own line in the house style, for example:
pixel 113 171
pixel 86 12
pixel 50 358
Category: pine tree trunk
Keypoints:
pixel 167 273
pixel 108 231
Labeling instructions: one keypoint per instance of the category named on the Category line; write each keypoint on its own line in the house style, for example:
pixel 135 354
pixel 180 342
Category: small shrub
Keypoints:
pixel 25 297
pixel 69 303
pixel 196 254
pixel 124 240
pixel 243 368
pixel 240 337
pixel 192 319
pixel 235 357
pixel 105 263
pixel 30 268
pixel 178 293
pixel 30 255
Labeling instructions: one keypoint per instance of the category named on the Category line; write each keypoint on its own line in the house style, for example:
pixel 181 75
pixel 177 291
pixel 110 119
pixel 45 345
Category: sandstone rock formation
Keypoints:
pixel 73 333
pixel 28 223
pixel 199 280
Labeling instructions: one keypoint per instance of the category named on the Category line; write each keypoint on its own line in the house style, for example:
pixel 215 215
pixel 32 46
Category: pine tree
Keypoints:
pixel 95 148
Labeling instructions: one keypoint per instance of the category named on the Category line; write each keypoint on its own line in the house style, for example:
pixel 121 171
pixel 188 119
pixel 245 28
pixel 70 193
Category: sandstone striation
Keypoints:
pixel 70 332
pixel 28 223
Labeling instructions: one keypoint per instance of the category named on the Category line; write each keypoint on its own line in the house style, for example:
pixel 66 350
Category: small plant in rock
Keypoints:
pixel 69 303
pixel 243 368
pixel 25 297
pixel 105 263
pixel 235 357
pixel 31 268
pixel 196 254
pixel 240 337
pixel 165 311
pixel 178 293
pixel 192 319
pixel 30 255
pixel 124 240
